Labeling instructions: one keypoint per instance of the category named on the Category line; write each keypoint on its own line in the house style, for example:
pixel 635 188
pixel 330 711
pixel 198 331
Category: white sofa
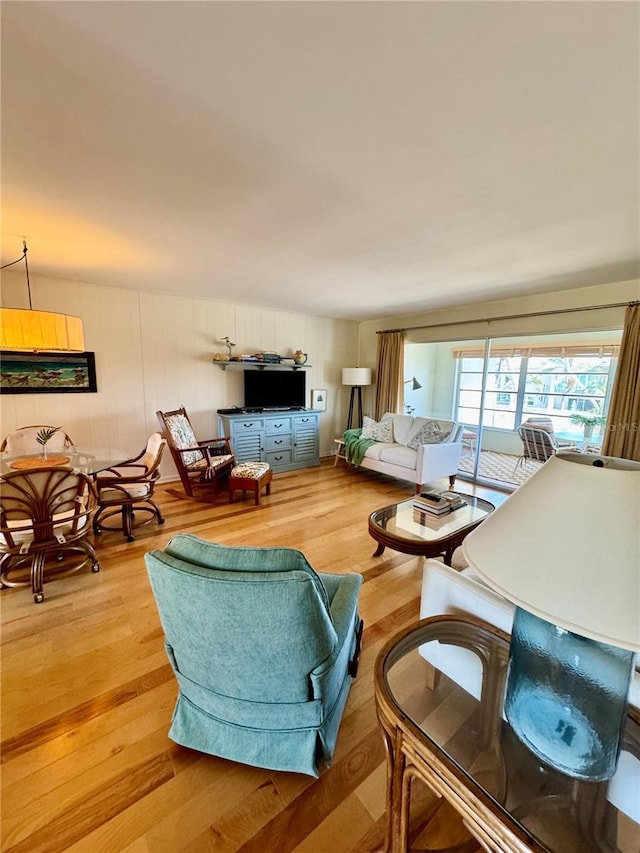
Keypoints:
pixel 448 591
pixel 425 462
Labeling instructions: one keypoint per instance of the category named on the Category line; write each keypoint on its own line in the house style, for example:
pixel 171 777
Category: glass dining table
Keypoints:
pixel 85 458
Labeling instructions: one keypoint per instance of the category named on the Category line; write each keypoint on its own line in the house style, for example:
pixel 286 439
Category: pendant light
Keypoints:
pixel 25 329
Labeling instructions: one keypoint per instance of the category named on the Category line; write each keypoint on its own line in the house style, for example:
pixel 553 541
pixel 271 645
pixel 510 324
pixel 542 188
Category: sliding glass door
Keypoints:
pixel 561 383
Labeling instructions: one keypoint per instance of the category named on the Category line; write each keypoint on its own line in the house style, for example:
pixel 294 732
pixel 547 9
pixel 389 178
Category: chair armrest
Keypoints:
pixel 215 447
pixel 112 475
pixel 328 677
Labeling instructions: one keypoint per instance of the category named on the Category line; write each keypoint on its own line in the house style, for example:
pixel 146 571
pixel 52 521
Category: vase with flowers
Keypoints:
pixel 300 357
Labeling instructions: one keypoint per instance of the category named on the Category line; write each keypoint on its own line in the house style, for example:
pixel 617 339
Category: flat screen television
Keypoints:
pixel 274 389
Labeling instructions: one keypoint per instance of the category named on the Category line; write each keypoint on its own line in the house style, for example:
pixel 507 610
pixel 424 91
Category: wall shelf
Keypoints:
pixel 261 365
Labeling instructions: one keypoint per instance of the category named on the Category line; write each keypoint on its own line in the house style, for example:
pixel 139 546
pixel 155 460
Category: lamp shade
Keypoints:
pixel 356 376
pixel 566 547
pixel 26 329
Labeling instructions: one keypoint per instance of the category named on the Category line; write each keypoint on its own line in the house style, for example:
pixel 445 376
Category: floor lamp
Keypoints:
pixel 356 377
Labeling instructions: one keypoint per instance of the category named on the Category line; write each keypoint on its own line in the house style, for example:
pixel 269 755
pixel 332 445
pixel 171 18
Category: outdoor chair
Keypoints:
pixel 44 516
pixel 542 422
pixel 23 440
pixel 127 490
pixel 200 464
pixel 264 650
pixel 537 445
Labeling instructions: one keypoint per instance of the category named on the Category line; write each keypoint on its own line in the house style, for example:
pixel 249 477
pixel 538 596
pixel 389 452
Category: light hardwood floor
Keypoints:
pixel 87 694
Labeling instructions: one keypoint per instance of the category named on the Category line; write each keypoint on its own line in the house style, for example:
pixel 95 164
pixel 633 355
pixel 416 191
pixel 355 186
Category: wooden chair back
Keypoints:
pixel 199 463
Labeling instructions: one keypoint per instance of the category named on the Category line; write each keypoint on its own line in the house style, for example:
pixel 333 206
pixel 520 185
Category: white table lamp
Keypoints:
pixel 565 549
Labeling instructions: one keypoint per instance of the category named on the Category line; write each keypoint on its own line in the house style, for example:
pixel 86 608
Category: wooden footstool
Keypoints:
pixel 250 477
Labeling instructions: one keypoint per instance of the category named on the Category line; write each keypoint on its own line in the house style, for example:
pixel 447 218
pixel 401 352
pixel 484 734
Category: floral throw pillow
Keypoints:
pixel 429 433
pixel 378 431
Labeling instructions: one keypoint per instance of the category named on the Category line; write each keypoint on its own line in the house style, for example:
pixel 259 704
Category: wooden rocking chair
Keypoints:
pixel 202 465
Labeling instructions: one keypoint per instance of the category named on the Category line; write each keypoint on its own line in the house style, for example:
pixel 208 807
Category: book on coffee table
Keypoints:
pixel 438 503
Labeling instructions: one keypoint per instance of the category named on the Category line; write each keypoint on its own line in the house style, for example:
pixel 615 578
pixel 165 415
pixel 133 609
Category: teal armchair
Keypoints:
pixel 264 650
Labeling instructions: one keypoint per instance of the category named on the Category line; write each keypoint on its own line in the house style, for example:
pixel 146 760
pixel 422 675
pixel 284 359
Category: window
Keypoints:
pixel 559 381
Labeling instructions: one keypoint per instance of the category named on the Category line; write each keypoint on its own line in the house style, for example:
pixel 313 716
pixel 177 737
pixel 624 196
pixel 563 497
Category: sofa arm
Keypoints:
pixel 437 460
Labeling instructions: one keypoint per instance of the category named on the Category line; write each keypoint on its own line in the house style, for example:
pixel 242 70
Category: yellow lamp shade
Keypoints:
pixel 26 329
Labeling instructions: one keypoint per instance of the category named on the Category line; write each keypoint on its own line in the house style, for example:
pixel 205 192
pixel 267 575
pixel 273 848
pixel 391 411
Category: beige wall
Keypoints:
pixel 155 352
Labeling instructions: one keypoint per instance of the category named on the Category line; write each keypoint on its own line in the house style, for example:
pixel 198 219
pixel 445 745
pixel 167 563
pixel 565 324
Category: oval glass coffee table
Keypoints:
pixel 409 530
pixel 443 742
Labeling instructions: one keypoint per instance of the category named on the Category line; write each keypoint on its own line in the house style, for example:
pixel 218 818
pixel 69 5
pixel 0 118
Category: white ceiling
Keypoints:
pixel 347 159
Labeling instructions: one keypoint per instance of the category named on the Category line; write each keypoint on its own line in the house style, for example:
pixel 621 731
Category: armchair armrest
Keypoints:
pixel 328 677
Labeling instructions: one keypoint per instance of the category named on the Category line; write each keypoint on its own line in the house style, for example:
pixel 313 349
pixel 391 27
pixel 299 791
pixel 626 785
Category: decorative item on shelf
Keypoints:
pixel 356 377
pixel 269 357
pixel 25 329
pixel 229 344
pixel 300 357
pixel 571 576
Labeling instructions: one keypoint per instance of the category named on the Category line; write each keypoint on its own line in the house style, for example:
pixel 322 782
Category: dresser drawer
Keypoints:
pixel 249 425
pixel 273 426
pixel 277 442
pixel 276 458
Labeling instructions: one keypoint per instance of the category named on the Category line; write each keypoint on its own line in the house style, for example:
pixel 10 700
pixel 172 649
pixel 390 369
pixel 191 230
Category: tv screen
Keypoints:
pixel 274 389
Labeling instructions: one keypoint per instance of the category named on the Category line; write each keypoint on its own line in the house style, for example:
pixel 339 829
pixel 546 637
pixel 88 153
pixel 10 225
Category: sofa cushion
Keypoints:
pixel 374 450
pixel 427 431
pixel 398 454
pixel 382 431
pixel 402 426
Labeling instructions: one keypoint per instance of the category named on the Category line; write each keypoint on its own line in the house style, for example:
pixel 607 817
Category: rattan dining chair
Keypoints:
pixel 24 440
pixel 44 517
pixel 126 490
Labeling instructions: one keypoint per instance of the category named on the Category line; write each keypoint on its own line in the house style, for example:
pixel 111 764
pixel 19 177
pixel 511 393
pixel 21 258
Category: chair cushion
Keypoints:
pixel 183 436
pixel 250 470
pixel 134 490
pixel 26 535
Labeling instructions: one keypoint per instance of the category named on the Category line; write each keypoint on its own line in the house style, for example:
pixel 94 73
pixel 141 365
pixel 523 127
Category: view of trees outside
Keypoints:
pixel 572 391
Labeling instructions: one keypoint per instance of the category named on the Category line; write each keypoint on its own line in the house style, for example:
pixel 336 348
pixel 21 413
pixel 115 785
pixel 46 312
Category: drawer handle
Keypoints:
pixel 248 426
pixel 278 458
pixel 277 441
pixel 278 426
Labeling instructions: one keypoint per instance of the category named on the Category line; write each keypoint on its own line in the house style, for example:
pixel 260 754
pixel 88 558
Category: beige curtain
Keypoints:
pixel 622 437
pixel 390 372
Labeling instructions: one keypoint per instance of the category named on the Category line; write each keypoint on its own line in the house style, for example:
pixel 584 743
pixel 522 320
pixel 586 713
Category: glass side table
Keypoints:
pixel 464 750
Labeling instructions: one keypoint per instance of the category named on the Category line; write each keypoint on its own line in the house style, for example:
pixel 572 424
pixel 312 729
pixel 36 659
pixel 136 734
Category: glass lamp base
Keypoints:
pixel 566 697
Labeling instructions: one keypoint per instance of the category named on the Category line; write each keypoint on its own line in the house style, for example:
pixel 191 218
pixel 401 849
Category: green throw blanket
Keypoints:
pixel 355 447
